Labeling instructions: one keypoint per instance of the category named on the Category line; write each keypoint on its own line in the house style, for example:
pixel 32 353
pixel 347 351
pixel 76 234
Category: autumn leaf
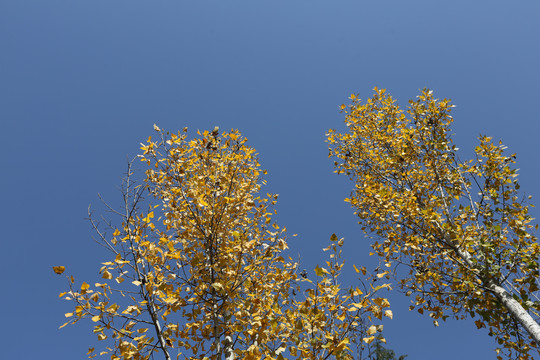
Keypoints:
pixel 461 226
pixel 197 237
pixel 369 339
pixel 59 269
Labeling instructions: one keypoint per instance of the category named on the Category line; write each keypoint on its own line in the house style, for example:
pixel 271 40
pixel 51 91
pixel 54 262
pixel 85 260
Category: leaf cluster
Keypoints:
pixel 198 267
pixel 460 227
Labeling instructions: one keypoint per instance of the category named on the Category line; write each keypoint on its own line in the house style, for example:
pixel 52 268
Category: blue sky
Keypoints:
pixel 82 82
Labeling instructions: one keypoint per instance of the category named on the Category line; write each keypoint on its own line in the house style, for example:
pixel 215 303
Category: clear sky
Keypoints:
pixel 82 82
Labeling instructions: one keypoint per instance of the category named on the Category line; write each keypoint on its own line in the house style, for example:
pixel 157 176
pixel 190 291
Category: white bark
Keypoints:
pixel 517 311
pixel 512 305
pixel 228 350
pixel 157 326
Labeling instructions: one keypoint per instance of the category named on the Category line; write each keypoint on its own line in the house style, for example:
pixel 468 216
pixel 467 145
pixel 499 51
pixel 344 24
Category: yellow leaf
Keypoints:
pixel 59 269
pixel 319 271
pixel 369 339
pixel 68 314
pixel 372 330
pixel 107 275
pixel 382 302
pixel 116 232
pixel 85 286
pixel 217 286
pixel 388 313
pixel 96 318
pixel 202 202
pixel 281 349
pixel 148 217
pixel 64 324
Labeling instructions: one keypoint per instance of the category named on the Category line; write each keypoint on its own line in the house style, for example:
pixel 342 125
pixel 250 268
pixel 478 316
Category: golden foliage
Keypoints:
pixel 461 227
pixel 205 266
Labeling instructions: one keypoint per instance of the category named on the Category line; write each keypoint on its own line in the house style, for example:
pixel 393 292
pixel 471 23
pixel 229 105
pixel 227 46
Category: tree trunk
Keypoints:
pixel 517 311
pixel 512 305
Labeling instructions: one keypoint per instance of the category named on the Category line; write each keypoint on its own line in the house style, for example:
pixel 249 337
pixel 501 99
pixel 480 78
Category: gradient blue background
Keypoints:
pixel 82 82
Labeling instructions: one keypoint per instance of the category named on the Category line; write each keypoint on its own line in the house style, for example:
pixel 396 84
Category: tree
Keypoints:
pixel 198 268
pixel 460 227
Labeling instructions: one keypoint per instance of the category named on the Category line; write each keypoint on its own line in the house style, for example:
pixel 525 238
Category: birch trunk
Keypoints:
pixel 517 311
pixel 512 305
